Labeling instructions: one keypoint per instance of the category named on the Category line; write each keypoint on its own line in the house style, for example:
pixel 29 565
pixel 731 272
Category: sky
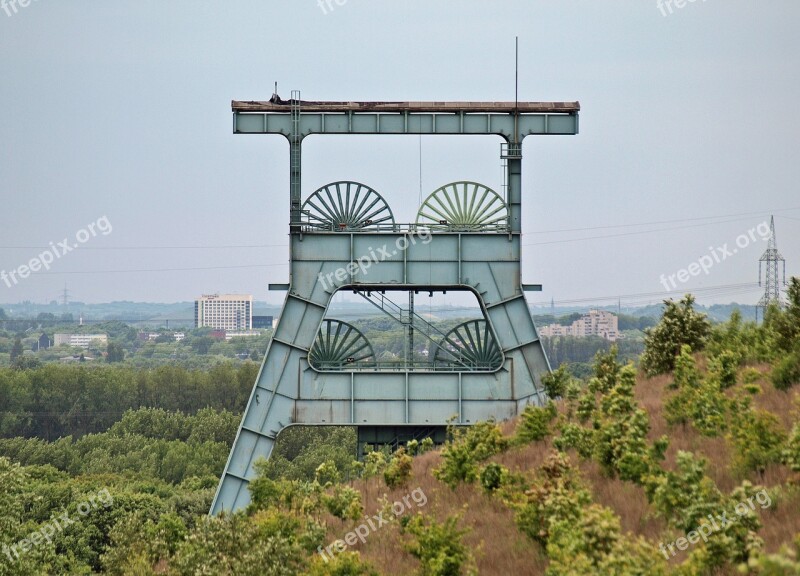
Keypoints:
pixel 116 134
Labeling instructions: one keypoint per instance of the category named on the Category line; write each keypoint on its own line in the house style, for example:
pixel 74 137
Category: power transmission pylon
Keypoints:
pixel 772 284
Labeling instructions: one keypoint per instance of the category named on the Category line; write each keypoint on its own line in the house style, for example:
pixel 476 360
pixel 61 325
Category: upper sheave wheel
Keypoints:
pixel 342 206
pixel 339 344
pixel 464 206
pixel 471 344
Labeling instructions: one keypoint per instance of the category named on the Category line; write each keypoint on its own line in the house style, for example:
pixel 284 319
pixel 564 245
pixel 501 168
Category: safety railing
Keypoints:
pixel 404 366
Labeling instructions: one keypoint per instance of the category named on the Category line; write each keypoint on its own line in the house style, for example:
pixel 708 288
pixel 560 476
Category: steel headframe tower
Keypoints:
pixel 322 371
pixel 772 260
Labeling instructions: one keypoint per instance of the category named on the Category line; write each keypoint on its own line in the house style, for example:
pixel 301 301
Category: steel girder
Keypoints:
pixel 289 391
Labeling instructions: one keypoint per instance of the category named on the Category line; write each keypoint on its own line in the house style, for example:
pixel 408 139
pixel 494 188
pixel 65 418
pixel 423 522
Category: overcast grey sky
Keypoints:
pixel 122 110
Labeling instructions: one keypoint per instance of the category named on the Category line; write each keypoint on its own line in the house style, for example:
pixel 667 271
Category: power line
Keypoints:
pixel 722 289
pixel 736 218
pixel 636 233
pixel 665 221
pixel 207 247
pixel 162 269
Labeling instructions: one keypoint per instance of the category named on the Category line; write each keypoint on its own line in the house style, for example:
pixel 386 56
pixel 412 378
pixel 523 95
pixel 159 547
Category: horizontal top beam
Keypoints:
pixel 276 105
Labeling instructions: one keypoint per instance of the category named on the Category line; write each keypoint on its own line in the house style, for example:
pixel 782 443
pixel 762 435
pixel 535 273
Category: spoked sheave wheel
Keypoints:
pixel 341 206
pixel 463 206
pixel 339 345
pixel 472 345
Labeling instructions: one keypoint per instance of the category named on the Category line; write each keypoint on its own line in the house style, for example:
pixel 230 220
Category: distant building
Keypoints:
pixel 224 312
pixel 242 334
pixel 79 340
pixel 262 322
pixel 151 336
pixel 555 330
pixel 595 323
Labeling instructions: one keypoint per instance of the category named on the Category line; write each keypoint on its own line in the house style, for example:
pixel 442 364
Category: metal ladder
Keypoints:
pixel 411 319
pixel 295 139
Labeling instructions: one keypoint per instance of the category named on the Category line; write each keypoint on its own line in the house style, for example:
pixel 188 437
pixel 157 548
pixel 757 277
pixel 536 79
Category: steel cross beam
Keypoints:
pixel 511 121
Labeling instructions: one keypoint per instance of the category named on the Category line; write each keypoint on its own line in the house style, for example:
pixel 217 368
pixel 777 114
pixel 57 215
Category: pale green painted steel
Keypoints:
pixel 464 206
pixel 472 342
pixel 290 391
pixel 339 345
pixel 346 206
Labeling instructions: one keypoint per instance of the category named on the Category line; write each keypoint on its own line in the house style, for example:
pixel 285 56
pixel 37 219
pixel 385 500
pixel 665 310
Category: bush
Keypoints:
pixel 679 325
pixel 555 383
pixel 698 400
pixel 398 472
pixel 492 476
pixel 757 437
pixel 465 448
pixel 342 564
pixel 557 495
pixel 791 454
pixel 534 423
pixel 786 372
pixel 344 503
pixel 439 547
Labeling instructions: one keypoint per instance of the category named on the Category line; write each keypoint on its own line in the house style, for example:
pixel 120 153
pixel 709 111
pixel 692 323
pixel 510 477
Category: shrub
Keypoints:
pixel 786 372
pixel 492 476
pixel 557 495
pixel 791 454
pixel 465 448
pixel 556 383
pixel 342 564
pixel 757 437
pixel 594 544
pixel 698 400
pixel 438 546
pixel 343 502
pixel 534 423
pixel 680 325
pixel 398 472
pixel 686 496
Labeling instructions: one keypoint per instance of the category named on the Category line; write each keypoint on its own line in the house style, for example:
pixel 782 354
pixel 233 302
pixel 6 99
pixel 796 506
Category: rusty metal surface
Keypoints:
pixel 278 105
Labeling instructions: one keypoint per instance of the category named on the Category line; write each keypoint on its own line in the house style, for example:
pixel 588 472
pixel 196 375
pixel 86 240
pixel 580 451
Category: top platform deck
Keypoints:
pixel 276 105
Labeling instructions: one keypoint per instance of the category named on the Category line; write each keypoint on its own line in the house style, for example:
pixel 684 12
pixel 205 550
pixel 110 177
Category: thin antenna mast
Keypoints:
pixel 516 73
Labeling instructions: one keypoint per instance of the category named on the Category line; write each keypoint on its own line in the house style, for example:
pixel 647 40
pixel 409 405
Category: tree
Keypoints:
pixel 398 472
pixel 115 352
pixel 534 423
pixel 202 344
pixel 439 547
pixel 17 349
pixel 46 319
pixel 679 325
pixel 786 324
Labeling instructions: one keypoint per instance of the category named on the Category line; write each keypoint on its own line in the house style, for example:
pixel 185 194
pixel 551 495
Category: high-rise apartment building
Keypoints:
pixel 224 311
pixel 595 323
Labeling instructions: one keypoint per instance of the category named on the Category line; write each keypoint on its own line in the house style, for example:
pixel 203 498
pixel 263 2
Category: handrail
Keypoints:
pixel 311 227
pixel 402 365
